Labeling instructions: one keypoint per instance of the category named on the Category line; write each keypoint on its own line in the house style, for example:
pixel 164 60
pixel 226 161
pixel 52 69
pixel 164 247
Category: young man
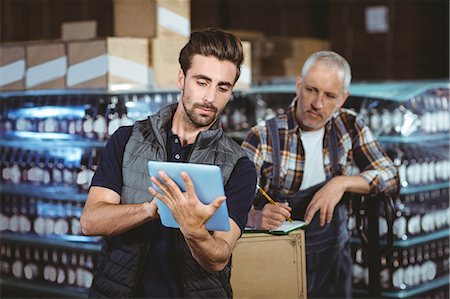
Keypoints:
pixel 307 158
pixel 140 257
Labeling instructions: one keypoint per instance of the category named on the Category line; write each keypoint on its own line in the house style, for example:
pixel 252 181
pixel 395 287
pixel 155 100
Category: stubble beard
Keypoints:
pixel 195 119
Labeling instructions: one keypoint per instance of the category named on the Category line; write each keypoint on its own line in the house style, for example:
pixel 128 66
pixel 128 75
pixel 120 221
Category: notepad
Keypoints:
pixel 283 229
pixel 207 180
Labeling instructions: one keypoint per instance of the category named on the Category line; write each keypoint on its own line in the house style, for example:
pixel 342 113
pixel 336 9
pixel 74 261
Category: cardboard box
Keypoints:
pixel 286 56
pixel 111 63
pixel 79 30
pixel 245 80
pixel 46 65
pixel 135 18
pixel 164 53
pixel 164 65
pixel 152 18
pixel 260 49
pixel 269 266
pixel 12 67
pixel 173 18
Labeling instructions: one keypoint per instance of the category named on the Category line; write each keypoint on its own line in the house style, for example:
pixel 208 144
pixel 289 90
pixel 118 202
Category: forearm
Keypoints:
pixel 212 250
pixel 383 180
pixel 354 184
pixel 105 219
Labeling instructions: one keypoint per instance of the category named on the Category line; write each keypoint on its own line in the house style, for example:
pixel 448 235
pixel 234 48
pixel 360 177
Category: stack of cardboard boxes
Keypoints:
pixel 75 62
pixel 143 53
pixel 278 57
pixel 286 55
pixel 165 25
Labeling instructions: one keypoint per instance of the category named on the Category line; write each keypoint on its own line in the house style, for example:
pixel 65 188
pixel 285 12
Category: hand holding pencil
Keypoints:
pixel 261 190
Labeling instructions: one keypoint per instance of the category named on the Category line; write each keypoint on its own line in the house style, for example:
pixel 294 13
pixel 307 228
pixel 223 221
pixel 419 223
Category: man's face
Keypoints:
pixel 206 89
pixel 319 96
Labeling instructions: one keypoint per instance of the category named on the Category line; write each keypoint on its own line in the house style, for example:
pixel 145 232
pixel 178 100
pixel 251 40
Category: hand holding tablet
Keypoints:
pixel 208 185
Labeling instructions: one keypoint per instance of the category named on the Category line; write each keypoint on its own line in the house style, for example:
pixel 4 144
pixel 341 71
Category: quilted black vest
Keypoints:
pixel 121 259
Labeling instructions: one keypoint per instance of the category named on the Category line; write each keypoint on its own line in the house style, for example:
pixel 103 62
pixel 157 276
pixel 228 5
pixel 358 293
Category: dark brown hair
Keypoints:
pixel 212 42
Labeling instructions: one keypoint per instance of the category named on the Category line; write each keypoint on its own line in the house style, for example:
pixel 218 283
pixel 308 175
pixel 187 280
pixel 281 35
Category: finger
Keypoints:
pixel 217 203
pixel 310 212
pixel 278 217
pixel 273 223
pixel 172 187
pixel 160 196
pixel 274 214
pixel 284 205
pixel 213 206
pixel 153 210
pixel 161 186
pixel 323 215
pixel 330 214
pixel 190 189
pixel 152 191
pixel 284 212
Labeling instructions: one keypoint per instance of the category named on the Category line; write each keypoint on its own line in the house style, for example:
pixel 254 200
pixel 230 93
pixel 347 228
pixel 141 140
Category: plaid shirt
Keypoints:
pixel 359 153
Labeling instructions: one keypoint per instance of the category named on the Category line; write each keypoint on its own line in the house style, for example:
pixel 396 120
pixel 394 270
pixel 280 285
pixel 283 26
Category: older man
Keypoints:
pixel 308 158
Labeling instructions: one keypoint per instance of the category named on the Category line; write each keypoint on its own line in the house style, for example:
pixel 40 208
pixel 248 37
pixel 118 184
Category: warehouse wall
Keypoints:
pixel 416 45
pixel 23 20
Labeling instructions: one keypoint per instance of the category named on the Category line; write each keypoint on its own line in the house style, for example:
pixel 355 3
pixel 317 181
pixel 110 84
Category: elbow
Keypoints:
pixel 86 225
pixel 216 267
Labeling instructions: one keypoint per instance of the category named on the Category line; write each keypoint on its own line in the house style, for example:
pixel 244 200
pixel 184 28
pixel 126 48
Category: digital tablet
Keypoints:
pixel 208 186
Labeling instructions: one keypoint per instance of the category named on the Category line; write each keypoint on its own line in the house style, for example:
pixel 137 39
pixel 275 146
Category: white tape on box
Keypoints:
pixel 46 72
pixel 87 70
pixel 246 75
pixel 174 22
pixel 12 72
pixel 132 71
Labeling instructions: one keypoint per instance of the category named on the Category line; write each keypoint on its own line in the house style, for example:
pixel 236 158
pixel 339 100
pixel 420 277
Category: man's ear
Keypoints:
pixel 180 81
pixel 298 84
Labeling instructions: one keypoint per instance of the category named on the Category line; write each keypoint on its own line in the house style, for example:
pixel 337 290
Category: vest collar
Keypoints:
pixel 162 123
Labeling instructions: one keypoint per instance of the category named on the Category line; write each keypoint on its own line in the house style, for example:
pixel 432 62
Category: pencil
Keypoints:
pixel 269 198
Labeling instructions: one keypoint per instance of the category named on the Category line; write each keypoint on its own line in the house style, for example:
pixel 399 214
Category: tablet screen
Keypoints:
pixel 207 180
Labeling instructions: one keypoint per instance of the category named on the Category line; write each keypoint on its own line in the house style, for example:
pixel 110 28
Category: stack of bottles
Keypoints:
pixel 414 131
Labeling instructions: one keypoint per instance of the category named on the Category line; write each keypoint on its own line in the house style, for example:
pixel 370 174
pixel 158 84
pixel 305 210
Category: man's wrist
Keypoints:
pixel 197 235
pixel 344 182
pixel 253 216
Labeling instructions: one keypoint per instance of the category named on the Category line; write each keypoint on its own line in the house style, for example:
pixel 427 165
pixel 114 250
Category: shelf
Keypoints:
pixel 429 187
pixel 47 141
pixel 279 88
pixel 60 291
pixel 45 192
pixel 83 243
pixel 436 283
pixel 57 92
pixel 395 91
pixel 414 139
pixel 413 240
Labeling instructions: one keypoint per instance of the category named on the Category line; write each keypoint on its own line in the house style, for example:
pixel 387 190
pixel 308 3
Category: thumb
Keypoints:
pixel 153 210
pixel 212 207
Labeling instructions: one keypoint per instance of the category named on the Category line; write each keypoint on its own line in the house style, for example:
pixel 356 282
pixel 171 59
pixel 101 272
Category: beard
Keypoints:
pixel 196 119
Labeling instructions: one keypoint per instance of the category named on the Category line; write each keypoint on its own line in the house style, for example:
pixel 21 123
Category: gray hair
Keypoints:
pixel 329 59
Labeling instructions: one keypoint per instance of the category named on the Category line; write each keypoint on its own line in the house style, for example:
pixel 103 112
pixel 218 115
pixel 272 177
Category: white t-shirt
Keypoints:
pixel 314 172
